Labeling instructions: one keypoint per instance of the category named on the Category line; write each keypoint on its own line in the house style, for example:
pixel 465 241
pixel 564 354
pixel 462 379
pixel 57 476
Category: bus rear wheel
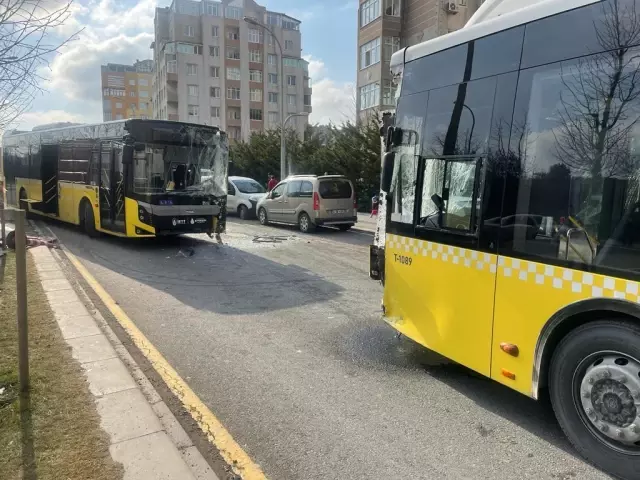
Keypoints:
pixel 594 385
pixel 88 220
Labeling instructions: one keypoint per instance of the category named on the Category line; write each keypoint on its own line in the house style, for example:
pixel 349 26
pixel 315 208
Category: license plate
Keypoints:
pixel 339 211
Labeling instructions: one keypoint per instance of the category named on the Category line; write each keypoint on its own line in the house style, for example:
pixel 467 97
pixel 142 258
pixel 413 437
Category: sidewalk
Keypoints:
pixel 144 435
pixel 366 223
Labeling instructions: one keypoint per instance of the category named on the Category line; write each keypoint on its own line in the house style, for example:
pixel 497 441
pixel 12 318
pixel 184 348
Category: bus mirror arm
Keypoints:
pixel 387 171
pixel 127 155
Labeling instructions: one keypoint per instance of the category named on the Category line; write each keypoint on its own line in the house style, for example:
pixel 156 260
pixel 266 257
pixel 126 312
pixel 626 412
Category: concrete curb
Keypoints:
pixel 145 436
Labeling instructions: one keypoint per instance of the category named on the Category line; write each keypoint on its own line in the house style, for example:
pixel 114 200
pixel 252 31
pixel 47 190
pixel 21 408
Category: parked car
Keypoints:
pixel 310 201
pixel 243 195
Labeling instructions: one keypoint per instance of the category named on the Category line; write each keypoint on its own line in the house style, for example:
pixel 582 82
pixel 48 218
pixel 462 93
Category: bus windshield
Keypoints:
pixel 174 168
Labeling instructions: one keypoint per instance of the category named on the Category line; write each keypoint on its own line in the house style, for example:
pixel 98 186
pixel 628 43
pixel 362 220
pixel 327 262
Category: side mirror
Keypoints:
pixel 437 200
pixel 127 155
pixel 388 162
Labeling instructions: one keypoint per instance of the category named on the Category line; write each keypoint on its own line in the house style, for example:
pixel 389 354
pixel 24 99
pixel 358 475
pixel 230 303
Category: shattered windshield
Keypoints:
pixel 249 186
pixel 181 168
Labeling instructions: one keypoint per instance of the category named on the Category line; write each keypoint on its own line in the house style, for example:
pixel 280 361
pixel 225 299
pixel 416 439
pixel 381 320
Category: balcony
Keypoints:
pixel 172 96
pixel 172 77
pixel 307 109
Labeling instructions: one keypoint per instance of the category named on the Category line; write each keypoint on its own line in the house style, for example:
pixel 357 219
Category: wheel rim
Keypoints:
pixel 304 223
pixel 606 393
pixel 263 216
pixel 243 212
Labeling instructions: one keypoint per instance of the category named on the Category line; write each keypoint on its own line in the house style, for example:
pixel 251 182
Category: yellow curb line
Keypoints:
pixel 232 453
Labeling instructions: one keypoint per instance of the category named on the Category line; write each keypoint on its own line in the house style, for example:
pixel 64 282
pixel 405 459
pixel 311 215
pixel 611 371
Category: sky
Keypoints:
pixel 121 31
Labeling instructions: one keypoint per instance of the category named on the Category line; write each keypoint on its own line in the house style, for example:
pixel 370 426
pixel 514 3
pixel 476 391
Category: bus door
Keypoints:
pixel 49 176
pixel 111 198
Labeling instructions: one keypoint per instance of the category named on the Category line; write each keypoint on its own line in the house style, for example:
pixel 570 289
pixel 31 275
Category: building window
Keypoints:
pixel 370 53
pixel 132 82
pixel 255 35
pixel 132 94
pixel 273 78
pixel 255 56
pixel 235 133
pixel 172 66
pixel 388 93
pixel 307 100
pixel 233 114
pixel 143 117
pixel 255 94
pixel 214 92
pixel 233 93
pixel 369 11
pixel 255 76
pixel 214 51
pixel 392 7
pixel 255 114
pixel 233 34
pixel 215 112
pixel 288 44
pixel 370 96
pixel 233 53
pixel 272 59
pixel 118 105
pixel 212 9
pixel 214 72
pixel 192 111
pixel 143 93
pixel 391 46
pixel 192 90
pixel 233 12
pixel 133 106
pixel 291 80
pixel 291 100
pixel 118 116
pixel 293 62
pixel 214 31
pixel 143 82
pixel 192 69
pixel 233 73
pixel 107 116
pixel 273 19
pixel 144 106
pixel 188 31
pixel 273 97
pixel 290 24
pixel 273 117
pixel 270 41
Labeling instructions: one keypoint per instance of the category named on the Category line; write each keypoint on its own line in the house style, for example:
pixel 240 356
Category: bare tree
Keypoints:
pixel 27 43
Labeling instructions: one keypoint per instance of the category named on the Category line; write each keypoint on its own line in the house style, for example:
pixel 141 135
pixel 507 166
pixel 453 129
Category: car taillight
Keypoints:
pixel 316 201
pixel 355 203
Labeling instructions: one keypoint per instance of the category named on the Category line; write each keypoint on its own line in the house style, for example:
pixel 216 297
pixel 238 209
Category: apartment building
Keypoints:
pixel 385 26
pixel 215 68
pixel 126 90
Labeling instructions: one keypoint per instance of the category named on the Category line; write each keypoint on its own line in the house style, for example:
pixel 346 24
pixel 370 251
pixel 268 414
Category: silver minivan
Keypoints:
pixel 310 201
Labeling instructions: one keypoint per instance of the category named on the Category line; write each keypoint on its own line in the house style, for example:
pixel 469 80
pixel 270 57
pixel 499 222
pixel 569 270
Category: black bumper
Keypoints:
pixel 336 221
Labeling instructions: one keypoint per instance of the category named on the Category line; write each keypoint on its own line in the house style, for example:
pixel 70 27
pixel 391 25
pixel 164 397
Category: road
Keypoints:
pixel 280 336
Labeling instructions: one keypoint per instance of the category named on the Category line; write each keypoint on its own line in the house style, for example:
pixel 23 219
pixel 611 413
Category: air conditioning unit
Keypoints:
pixel 451 7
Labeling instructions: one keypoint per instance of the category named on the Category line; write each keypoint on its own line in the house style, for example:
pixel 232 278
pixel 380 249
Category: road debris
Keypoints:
pixel 269 239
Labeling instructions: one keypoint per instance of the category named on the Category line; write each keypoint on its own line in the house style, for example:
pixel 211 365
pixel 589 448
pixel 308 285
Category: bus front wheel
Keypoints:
pixel 88 220
pixel 594 385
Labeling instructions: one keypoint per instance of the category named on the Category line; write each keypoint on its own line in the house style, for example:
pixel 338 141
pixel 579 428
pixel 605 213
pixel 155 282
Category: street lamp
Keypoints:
pixel 283 139
pixel 283 161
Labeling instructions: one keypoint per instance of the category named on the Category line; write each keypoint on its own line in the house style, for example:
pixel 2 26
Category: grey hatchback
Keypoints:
pixel 309 201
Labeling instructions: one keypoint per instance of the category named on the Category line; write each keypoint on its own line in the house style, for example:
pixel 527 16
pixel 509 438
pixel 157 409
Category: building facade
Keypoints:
pixel 215 68
pixel 385 26
pixel 126 90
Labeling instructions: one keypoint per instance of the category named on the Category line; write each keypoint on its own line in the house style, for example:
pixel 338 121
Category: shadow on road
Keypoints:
pixel 202 274
pixel 378 346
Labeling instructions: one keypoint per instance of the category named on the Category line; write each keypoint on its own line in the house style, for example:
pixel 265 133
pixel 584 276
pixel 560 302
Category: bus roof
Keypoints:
pixel 492 17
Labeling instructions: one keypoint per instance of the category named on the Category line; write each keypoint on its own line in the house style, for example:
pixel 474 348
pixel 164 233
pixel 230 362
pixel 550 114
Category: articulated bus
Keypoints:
pixel 510 238
pixel 129 178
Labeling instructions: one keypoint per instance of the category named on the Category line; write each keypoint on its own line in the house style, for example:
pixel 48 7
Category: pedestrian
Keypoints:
pixel 374 205
pixel 272 182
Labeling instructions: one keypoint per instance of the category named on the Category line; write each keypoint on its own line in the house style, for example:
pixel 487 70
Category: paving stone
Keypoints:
pixel 152 457
pixel 125 415
pixel 75 326
pixel 108 376
pixel 53 274
pixel 171 426
pixel 92 348
pixel 55 285
pixel 198 465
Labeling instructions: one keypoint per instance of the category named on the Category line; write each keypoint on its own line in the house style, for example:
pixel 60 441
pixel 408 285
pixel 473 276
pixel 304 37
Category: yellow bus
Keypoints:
pixel 129 178
pixel 509 228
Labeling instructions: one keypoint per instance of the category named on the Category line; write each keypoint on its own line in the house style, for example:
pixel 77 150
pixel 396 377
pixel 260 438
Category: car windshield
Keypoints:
pixel 249 186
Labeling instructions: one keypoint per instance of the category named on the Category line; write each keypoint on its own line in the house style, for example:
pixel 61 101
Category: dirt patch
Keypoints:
pixel 54 432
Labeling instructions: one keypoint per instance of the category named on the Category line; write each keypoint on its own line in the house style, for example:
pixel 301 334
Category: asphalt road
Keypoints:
pixel 280 335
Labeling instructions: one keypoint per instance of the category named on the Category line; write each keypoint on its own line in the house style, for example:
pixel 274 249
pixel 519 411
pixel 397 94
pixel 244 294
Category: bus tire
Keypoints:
pixel 262 217
pixel 594 380
pixel 88 220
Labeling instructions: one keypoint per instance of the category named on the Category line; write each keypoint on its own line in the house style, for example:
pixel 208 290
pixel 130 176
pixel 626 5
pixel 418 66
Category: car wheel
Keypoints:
pixel 243 212
pixel 305 224
pixel 594 386
pixel 344 228
pixel 262 216
pixel 89 220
